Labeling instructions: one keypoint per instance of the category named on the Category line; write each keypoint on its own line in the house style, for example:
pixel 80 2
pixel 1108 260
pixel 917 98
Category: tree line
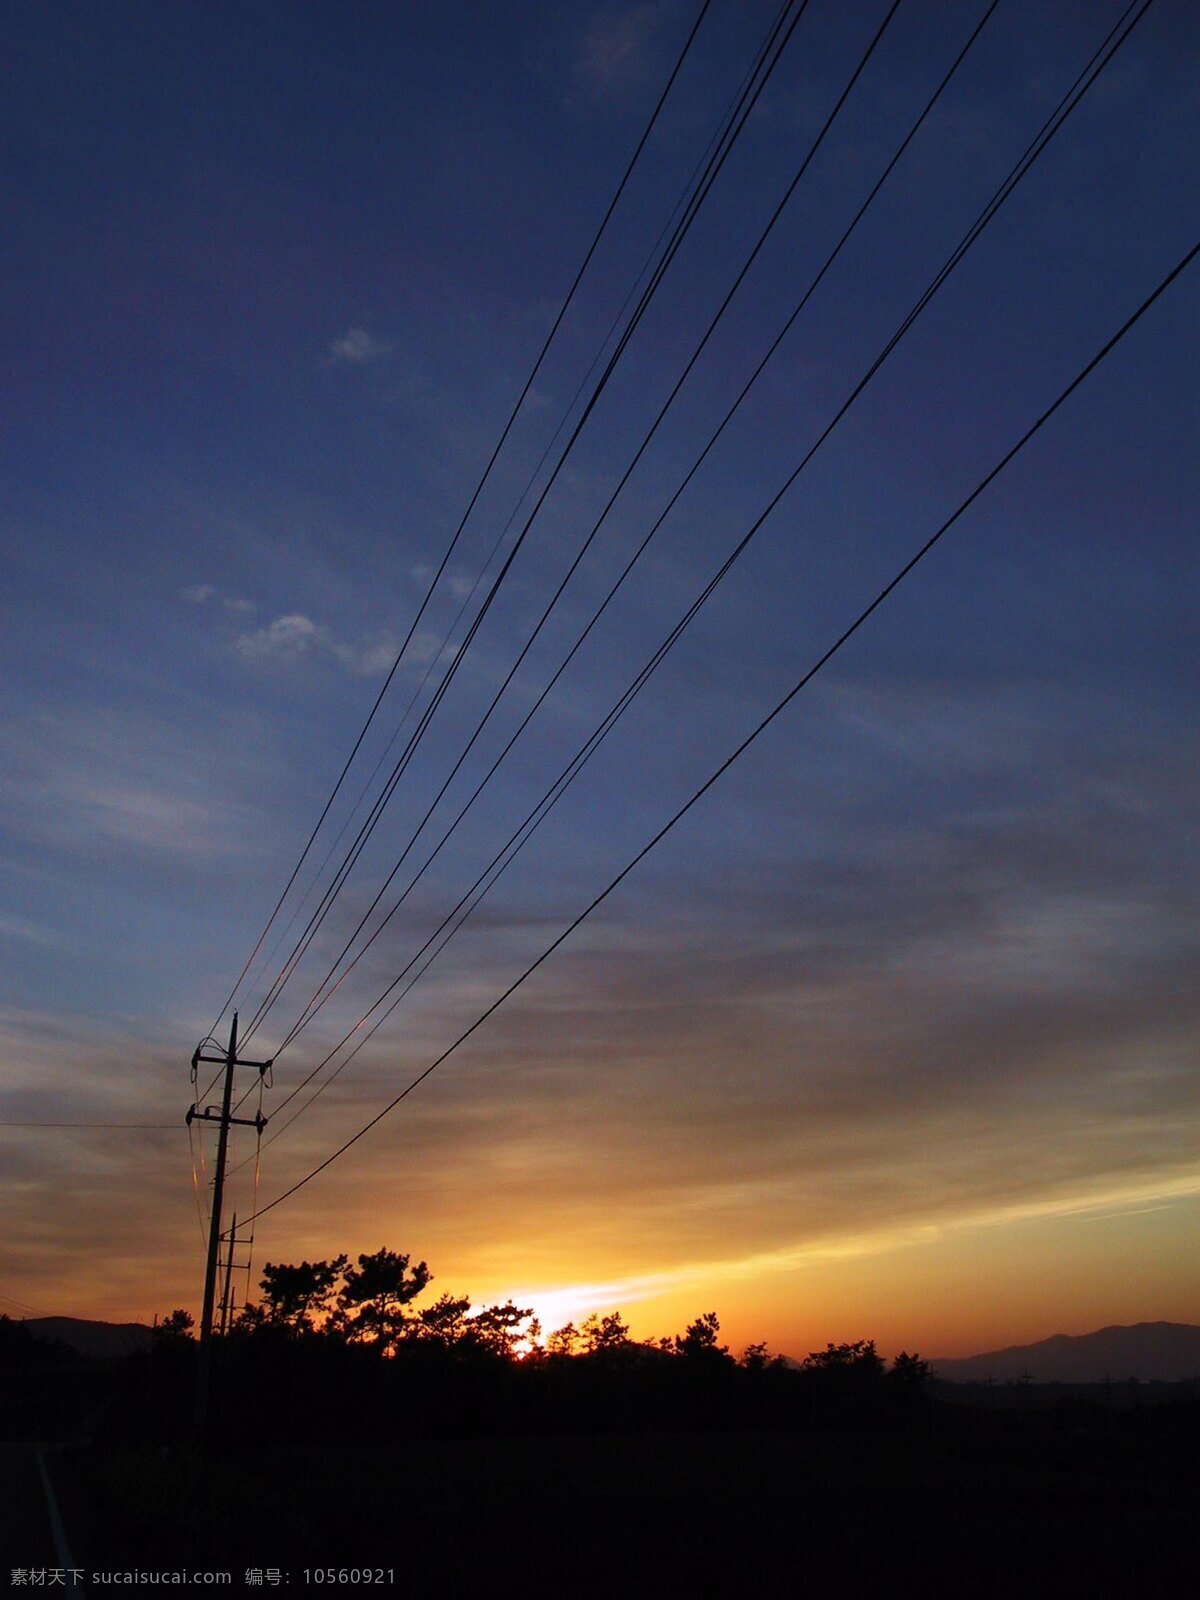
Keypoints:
pixel 370 1306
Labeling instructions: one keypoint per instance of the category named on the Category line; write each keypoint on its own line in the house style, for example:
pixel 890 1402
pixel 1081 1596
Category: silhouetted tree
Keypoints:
pixel 442 1323
pixel 492 1369
pixel 757 1358
pixel 909 1372
pixel 178 1325
pixel 603 1335
pixel 564 1341
pixel 250 1319
pixel 699 1340
pixel 859 1357
pixel 295 1297
pixel 321 1325
pixel 495 1329
pixel 371 1305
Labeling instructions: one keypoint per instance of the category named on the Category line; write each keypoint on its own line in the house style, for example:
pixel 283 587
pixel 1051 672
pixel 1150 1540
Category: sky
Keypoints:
pixel 892 1035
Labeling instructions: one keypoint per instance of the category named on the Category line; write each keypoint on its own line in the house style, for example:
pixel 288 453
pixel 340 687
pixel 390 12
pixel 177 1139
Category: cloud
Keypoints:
pixel 976 1014
pixel 63 1185
pixel 296 637
pixel 614 47
pixel 969 1006
pixel 356 347
pixel 26 932
pixel 577 1300
pixel 285 639
pixel 108 778
pixel 368 659
pixel 199 594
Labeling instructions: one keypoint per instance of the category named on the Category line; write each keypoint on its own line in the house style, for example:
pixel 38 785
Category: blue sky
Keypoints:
pixel 914 977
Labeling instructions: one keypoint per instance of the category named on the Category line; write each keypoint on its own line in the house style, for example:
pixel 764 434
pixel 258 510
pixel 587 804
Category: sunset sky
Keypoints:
pixel 893 1036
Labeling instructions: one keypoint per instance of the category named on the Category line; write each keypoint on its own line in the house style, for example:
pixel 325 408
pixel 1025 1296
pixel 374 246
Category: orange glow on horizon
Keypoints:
pixel 957 1285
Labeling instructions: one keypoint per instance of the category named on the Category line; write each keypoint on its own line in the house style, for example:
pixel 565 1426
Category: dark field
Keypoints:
pixel 987 1509
pixel 625 1473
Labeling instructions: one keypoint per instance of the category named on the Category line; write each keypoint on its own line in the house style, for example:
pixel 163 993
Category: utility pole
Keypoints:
pixel 228 1277
pixel 229 1060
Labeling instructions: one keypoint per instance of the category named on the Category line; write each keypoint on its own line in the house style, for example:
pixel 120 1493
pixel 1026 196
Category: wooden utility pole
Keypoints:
pixel 228 1277
pixel 224 1118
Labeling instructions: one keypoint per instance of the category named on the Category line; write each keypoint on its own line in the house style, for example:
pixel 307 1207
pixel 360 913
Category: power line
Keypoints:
pixel 724 124
pixel 1050 127
pixel 319 1000
pixel 558 788
pixel 24 1306
pixel 553 601
pixel 400 767
pixel 160 1127
pixel 680 232
pixel 612 499
pixel 766 722
pixel 474 498
pixel 196 1187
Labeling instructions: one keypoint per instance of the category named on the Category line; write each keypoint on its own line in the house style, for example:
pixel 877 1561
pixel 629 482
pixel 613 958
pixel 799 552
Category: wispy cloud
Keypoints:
pixel 987 1020
pixel 367 658
pixel 615 44
pixel 286 639
pixel 577 1300
pixel 295 637
pixel 26 932
pixel 356 348
pixel 82 781
pixel 199 594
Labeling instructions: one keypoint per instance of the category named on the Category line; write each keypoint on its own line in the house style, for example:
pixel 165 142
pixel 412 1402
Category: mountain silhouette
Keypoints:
pixel 103 1339
pixel 1167 1352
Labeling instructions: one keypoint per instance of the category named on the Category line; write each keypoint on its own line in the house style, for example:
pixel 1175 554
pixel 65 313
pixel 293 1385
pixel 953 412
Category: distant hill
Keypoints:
pixel 1168 1352
pixel 104 1339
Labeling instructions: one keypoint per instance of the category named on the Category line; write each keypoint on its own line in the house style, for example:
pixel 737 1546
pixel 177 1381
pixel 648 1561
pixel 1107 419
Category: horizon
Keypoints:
pixel 794 1357
pixel 893 1037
